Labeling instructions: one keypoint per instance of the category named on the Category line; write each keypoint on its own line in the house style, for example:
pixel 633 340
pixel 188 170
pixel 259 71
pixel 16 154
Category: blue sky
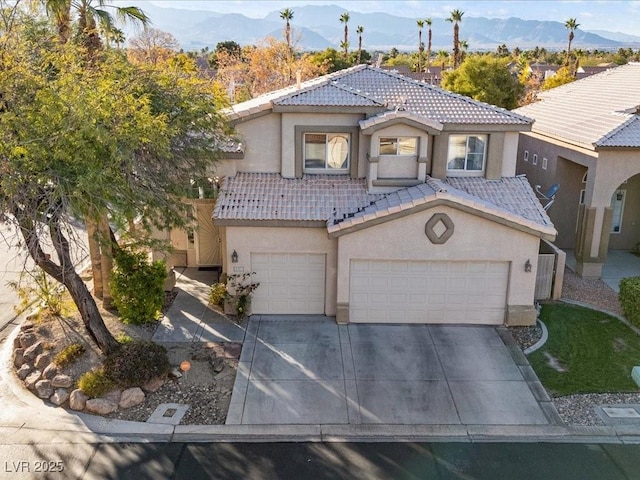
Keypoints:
pixel 614 16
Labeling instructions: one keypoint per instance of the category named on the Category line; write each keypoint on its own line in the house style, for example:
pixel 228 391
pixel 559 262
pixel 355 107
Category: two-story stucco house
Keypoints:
pixel 586 139
pixel 373 197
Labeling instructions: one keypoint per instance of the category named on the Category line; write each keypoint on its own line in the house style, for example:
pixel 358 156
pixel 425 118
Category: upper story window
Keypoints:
pixel 399 146
pixel 326 152
pixel 467 153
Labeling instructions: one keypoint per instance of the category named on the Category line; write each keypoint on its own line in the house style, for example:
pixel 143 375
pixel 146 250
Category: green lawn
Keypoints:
pixel 596 352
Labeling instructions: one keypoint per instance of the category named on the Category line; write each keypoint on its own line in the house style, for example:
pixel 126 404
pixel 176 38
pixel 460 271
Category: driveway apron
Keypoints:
pixel 309 370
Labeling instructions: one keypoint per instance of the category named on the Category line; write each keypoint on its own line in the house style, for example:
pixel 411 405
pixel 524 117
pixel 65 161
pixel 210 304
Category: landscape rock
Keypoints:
pixel 33 351
pixel 18 357
pixel 16 342
pixel 27 339
pixel 101 406
pixel 131 397
pixel 28 324
pixel 218 365
pixel 153 385
pixel 42 361
pixel 60 396
pixel 77 400
pixel 32 378
pixel 44 389
pixel 50 371
pixel 61 381
pixel 23 371
pixel 113 396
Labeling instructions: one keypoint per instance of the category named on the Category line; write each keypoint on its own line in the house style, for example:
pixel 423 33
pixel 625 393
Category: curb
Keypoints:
pixel 540 343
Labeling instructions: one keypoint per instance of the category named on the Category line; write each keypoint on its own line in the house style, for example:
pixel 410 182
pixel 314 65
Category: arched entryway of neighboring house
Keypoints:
pixel 609 217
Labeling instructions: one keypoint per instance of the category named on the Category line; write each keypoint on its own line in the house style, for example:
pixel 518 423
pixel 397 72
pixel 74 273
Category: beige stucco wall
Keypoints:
pixel 261 137
pixel 510 154
pixel 247 240
pixel 288 140
pixel 500 147
pixel 474 238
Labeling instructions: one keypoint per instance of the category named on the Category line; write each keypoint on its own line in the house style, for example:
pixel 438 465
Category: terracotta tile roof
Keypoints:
pixel 343 202
pixel 268 196
pixel 364 85
pixel 591 111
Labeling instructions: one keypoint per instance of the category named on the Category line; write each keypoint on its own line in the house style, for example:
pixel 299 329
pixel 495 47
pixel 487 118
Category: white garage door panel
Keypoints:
pixel 289 283
pixel 385 291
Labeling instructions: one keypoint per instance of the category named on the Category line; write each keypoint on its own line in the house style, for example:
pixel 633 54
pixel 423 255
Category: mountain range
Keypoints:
pixel 316 27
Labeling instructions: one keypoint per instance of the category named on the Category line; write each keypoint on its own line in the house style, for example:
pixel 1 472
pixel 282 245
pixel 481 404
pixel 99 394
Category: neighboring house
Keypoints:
pixel 372 197
pixel 586 138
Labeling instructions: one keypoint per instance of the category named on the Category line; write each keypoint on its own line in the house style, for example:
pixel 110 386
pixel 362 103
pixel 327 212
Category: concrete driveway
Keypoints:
pixel 309 370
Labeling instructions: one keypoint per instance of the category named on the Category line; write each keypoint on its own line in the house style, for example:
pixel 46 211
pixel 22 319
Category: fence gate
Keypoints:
pixel 544 277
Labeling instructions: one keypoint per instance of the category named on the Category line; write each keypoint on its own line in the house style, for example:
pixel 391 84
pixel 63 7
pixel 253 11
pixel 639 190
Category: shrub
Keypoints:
pixel 69 354
pixel 95 383
pixel 137 287
pixel 218 294
pixel 630 299
pixel 136 363
pixel 123 338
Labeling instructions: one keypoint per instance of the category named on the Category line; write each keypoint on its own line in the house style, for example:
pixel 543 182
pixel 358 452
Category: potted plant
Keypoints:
pixel 237 299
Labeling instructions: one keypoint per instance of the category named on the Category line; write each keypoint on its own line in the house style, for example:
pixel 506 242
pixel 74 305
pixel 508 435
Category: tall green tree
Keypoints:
pixel 359 31
pixel 570 25
pixel 485 78
pixel 344 18
pixel 456 18
pixel 420 24
pixel 429 22
pixel 287 16
pixel 113 138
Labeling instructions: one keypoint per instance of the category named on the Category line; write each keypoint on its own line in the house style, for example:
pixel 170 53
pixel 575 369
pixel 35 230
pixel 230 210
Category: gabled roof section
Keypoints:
pixel 596 111
pixel 364 85
pixel 378 121
pixel 509 200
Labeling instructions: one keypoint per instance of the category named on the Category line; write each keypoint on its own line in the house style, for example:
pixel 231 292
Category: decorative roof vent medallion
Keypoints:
pixel 439 228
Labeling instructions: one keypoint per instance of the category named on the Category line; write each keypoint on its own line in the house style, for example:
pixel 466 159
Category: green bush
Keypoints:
pixel 137 287
pixel 217 294
pixel 630 299
pixel 136 363
pixel 95 383
pixel 68 354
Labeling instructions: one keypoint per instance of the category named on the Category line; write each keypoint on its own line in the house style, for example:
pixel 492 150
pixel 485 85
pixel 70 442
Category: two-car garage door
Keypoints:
pixel 388 291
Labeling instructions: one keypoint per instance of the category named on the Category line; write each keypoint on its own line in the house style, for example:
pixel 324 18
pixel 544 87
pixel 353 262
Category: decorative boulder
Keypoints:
pixel 77 400
pixel 131 397
pixel 32 378
pixel 153 385
pixel 23 371
pixel 60 396
pixel 42 361
pixel 113 396
pixel 51 371
pixel 27 339
pixel 61 381
pixel 44 389
pixel 101 406
pixel 18 357
pixel 33 351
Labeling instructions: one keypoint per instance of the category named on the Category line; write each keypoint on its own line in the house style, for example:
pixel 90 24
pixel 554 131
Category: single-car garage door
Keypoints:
pixel 388 291
pixel 289 283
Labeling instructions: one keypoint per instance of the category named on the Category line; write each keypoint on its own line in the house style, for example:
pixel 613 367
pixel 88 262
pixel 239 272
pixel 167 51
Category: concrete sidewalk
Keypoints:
pixel 357 364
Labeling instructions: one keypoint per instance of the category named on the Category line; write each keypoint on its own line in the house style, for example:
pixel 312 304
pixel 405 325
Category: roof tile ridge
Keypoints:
pixel 632 119
pixel 438 185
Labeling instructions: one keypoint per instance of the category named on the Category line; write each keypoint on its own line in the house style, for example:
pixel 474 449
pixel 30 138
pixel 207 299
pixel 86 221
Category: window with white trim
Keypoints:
pixel 617 204
pixel 467 153
pixel 326 152
pixel 399 146
pixel 544 163
pixel 526 155
pixel 535 159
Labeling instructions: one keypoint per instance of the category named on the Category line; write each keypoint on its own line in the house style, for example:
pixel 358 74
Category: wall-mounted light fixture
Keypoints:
pixel 234 257
pixel 527 266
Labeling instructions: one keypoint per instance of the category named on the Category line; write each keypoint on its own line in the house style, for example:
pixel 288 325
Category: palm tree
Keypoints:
pixel 344 18
pixel 420 24
pixel 428 22
pixel 571 25
pixel 464 46
pixel 442 57
pixel 287 16
pixel 456 18
pixel 359 31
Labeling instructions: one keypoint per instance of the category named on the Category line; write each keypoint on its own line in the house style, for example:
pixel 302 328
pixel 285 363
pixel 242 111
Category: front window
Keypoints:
pixel 399 146
pixel 467 153
pixel 327 152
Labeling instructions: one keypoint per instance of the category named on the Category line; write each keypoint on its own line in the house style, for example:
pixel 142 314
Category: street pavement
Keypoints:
pixel 337 460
